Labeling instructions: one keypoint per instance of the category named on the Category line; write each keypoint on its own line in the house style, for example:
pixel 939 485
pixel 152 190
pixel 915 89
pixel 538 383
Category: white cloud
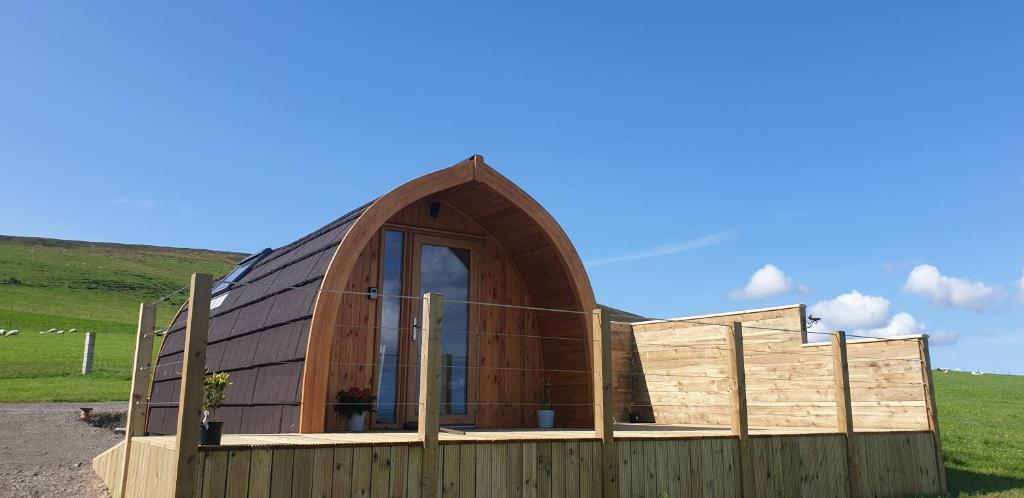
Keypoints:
pixel 1020 287
pixel 768 281
pixel 942 290
pixel 853 310
pixel 689 245
pixel 901 323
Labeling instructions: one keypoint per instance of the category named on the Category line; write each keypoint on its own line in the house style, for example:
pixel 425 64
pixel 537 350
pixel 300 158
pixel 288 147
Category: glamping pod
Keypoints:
pixel 339 308
pixel 763 409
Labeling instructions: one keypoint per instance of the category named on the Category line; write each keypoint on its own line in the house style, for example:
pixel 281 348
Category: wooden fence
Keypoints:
pixel 677 372
pixel 888 464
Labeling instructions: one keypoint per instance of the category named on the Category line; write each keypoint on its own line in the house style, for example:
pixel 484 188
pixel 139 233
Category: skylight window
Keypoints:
pixel 240 271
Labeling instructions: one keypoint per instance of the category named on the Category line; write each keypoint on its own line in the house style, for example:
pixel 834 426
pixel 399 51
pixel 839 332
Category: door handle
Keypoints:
pixel 415 327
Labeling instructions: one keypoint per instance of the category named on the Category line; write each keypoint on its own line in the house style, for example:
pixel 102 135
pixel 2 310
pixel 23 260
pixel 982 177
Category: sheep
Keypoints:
pixel 11 333
pixel 2 332
pixel 72 331
pixel 50 331
pixel 60 332
pixel 42 332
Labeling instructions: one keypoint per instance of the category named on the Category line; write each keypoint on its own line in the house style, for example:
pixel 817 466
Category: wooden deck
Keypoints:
pixel 622 432
pixel 687 462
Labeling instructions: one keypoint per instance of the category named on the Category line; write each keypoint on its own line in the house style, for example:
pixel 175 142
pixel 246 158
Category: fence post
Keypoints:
pixel 844 408
pixel 604 424
pixel 841 372
pixel 933 413
pixel 738 423
pixel 90 348
pixel 141 374
pixel 430 390
pixel 191 396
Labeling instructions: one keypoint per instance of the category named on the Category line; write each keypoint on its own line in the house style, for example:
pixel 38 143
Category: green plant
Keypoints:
pixel 543 396
pixel 354 401
pixel 215 386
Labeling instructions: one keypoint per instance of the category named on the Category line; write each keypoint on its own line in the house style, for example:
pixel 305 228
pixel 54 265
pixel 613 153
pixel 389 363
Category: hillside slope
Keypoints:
pixel 48 283
pixel 95 281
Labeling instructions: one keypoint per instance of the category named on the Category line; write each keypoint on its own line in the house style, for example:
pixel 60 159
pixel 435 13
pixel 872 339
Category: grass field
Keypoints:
pixel 98 287
pixel 981 418
pixel 46 283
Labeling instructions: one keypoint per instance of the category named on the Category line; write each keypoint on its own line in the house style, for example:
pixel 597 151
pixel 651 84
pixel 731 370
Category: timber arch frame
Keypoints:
pixel 546 260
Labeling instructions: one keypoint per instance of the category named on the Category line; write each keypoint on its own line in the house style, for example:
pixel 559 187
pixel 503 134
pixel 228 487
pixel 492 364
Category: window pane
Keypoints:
pixel 445 270
pixel 390 319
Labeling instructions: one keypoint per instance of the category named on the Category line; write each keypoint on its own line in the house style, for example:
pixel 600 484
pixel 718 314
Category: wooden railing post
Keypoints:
pixel 430 391
pixel 738 423
pixel 844 409
pixel 933 412
pixel 138 406
pixel 190 400
pixel 604 424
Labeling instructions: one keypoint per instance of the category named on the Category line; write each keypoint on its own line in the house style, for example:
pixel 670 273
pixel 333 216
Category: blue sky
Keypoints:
pixel 683 148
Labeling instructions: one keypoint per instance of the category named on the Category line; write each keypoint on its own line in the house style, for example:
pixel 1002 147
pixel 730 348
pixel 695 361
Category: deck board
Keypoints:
pixel 622 432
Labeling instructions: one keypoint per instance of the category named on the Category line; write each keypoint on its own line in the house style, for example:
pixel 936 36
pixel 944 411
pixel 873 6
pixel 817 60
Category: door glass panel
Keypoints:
pixel 445 270
pixel 390 320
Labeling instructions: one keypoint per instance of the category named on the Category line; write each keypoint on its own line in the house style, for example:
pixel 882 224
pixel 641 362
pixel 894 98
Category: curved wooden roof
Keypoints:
pixel 259 335
pixel 275 320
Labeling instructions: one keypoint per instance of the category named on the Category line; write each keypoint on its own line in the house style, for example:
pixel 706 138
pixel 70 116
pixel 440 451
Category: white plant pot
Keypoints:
pixel 357 422
pixel 545 419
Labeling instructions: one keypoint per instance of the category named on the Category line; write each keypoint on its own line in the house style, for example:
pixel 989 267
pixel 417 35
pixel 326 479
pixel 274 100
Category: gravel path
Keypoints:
pixel 45 451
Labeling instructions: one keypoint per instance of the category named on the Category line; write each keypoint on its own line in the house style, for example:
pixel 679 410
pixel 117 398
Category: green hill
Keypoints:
pixel 48 283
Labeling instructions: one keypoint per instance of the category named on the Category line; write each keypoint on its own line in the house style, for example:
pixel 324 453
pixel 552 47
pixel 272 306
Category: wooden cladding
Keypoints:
pixel 510 342
pixel 546 268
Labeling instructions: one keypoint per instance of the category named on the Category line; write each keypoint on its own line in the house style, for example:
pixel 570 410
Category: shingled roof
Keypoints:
pixel 258 334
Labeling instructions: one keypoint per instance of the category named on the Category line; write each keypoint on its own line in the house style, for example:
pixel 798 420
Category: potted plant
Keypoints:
pixel 215 386
pixel 545 416
pixel 354 404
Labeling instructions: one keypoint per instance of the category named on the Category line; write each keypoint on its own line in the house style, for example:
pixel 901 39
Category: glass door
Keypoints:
pixel 445 266
pixel 413 264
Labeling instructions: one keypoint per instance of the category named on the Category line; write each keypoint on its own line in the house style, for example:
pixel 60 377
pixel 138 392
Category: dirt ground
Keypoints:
pixel 45 451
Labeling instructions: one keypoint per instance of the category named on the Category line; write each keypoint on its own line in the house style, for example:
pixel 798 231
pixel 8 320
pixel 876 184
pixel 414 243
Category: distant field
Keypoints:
pixel 46 283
